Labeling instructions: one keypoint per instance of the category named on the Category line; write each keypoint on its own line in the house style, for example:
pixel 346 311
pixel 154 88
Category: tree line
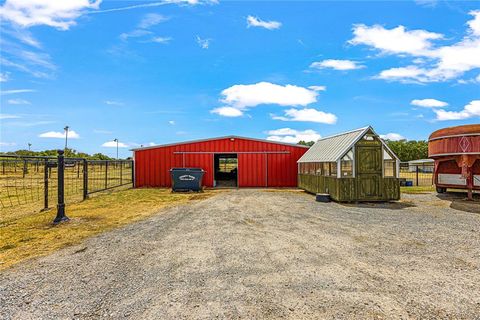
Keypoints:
pixel 69 153
pixel 406 150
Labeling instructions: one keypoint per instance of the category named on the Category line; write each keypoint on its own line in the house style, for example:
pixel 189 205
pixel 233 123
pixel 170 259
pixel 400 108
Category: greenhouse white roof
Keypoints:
pixel 331 149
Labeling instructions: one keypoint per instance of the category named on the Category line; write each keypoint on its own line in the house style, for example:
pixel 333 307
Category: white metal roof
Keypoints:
pixel 331 149
pixel 421 161
pixel 219 138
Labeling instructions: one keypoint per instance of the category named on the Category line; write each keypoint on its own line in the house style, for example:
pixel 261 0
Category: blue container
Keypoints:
pixel 186 179
pixel 408 183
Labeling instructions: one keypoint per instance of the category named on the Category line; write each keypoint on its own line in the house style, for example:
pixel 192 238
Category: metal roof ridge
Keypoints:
pixel 218 138
pixel 344 133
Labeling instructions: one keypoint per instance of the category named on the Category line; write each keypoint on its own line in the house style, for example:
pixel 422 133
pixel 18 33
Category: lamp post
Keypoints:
pixel 116 140
pixel 66 137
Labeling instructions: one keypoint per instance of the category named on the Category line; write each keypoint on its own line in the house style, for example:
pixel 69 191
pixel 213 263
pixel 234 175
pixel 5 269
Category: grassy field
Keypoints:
pixel 417 190
pixel 30 235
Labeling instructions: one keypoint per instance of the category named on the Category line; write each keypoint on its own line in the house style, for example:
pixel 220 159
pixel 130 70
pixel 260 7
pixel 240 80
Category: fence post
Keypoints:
pixel 45 185
pixel 417 175
pixel 106 174
pixel 85 179
pixel 24 167
pixel 61 188
pixel 132 165
pixel 121 172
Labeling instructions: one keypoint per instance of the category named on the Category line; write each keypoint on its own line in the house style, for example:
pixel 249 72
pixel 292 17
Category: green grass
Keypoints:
pixel 417 190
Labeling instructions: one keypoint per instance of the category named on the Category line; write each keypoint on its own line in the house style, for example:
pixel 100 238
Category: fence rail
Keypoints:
pixel 36 180
pixel 416 174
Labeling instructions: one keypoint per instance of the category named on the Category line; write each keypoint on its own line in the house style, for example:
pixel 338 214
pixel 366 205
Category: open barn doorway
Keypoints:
pixel 226 170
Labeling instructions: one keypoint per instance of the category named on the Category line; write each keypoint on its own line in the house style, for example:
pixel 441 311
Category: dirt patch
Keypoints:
pixel 250 254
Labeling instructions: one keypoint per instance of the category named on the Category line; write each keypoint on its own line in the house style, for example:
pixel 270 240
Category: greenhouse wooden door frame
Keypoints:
pixel 369 172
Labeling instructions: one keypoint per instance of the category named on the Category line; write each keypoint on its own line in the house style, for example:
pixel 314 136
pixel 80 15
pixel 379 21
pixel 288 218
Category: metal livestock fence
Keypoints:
pixel 38 181
pixel 416 174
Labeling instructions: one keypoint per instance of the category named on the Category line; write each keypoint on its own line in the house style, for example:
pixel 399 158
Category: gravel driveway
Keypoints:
pixel 263 254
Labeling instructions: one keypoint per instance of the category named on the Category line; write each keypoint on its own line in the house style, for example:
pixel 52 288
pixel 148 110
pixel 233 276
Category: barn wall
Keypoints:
pixel 152 165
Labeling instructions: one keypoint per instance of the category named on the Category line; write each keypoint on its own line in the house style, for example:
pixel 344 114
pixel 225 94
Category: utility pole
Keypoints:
pixel 116 140
pixel 66 137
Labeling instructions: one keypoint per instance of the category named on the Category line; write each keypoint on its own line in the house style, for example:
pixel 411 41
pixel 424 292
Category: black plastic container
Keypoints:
pixel 186 179
pixel 322 197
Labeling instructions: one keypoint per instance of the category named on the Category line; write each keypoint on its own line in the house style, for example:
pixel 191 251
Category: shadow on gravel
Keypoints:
pixel 459 201
pixel 397 205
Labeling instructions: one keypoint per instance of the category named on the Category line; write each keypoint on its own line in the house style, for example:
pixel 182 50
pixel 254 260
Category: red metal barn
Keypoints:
pixel 228 161
pixel 456 151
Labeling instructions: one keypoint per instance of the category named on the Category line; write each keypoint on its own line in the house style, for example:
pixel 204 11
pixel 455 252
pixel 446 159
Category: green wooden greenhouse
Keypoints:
pixel 351 166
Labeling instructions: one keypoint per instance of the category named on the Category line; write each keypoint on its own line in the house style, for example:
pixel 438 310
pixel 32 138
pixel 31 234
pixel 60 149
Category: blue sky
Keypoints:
pixel 152 72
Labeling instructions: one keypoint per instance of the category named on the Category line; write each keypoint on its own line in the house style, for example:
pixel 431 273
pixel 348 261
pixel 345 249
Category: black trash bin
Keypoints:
pixel 187 179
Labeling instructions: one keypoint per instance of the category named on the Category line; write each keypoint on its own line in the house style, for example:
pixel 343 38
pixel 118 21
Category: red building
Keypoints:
pixel 456 151
pixel 228 161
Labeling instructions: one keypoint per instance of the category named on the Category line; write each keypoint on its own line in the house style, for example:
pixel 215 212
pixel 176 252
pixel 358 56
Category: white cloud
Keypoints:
pixel 113 144
pixel 15 91
pixel 21 65
pixel 292 136
pixel 431 63
pixel 243 96
pixel 471 110
pixel 7 144
pixel 135 34
pixel 158 3
pixel 171 122
pixel 307 115
pixel 336 64
pixel 8 116
pixel 404 74
pixel 428 103
pixel 318 88
pixel 394 41
pixel 114 103
pixel 227 112
pixel 203 43
pixel 18 101
pixel 151 19
pixel 4 76
pixel 256 22
pixel 392 136
pixel 162 40
pixel 239 98
pixel 57 14
pixel 59 135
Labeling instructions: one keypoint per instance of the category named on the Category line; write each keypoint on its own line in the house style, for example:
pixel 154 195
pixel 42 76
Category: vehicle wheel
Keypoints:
pixel 441 190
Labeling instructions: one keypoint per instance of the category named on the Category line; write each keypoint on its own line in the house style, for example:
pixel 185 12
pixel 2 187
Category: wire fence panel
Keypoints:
pixel 416 174
pixel 34 180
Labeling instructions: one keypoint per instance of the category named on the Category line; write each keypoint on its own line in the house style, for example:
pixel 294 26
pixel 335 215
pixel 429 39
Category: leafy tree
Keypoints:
pixel 69 153
pixel 305 143
pixel 408 150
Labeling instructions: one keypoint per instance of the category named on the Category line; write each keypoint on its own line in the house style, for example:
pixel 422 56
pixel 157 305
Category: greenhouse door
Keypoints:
pixel 369 172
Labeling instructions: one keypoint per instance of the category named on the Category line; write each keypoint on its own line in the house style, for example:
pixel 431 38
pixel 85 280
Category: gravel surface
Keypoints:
pixel 264 254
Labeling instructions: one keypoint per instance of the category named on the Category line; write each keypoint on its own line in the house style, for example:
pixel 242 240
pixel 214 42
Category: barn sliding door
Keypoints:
pixel 252 170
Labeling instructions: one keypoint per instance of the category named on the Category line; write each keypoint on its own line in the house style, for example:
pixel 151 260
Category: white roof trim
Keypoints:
pixel 218 138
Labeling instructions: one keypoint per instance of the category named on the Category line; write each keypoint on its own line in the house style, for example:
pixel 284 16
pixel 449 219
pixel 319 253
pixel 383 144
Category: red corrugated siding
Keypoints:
pixel 254 169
